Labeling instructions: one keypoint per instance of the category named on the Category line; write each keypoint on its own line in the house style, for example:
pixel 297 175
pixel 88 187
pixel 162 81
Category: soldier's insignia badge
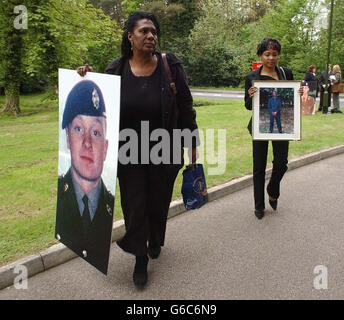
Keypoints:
pixel 109 210
pixel 95 98
pixel 66 187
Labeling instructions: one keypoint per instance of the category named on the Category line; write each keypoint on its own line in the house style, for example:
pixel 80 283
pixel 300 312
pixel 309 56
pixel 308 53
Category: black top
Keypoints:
pixel 282 72
pixel 187 114
pixel 323 77
pixel 168 110
pixel 311 81
pixel 140 99
pixel 310 76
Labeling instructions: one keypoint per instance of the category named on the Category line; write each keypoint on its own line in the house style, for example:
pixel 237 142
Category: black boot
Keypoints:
pixel 140 275
pixel 154 251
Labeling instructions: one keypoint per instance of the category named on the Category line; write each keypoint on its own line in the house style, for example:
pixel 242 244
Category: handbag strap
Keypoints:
pixel 172 83
pixel 167 67
pixel 285 78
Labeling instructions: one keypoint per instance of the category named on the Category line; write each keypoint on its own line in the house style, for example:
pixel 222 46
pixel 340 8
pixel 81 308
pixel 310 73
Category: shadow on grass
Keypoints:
pixel 29 110
pixel 30 105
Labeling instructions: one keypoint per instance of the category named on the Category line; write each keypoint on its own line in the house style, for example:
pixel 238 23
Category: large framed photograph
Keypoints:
pixel 89 110
pixel 276 110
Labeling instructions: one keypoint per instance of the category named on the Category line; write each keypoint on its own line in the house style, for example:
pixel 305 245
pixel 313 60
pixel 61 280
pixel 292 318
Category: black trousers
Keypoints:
pixel 146 192
pixel 321 103
pixel 280 166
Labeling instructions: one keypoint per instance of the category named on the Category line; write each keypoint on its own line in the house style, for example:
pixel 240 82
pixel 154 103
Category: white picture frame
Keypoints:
pixel 286 122
pixel 85 226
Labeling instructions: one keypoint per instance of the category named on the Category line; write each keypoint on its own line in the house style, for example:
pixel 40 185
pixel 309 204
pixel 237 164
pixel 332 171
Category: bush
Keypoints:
pixel 212 66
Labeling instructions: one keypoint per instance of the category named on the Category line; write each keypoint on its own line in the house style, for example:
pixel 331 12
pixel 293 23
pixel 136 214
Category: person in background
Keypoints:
pixel 322 87
pixel 311 79
pixel 335 95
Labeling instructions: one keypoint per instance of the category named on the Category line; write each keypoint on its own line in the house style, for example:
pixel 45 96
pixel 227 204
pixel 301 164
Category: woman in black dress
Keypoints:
pixel 268 51
pixel 147 99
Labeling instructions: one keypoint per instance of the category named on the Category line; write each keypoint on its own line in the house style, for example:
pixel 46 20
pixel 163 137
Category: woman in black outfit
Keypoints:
pixel 146 98
pixel 268 51
pixel 311 79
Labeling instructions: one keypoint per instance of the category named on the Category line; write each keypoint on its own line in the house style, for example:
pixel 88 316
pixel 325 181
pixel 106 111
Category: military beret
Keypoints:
pixel 86 99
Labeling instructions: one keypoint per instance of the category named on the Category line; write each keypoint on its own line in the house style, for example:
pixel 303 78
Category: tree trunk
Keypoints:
pixel 11 55
pixel 12 104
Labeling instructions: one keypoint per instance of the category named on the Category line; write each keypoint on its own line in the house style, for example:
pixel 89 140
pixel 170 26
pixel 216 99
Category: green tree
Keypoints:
pixel 337 45
pixel 213 43
pixel 133 5
pixel 62 34
pixel 166 13
pixel 176 19
pixel 293 23
pixel 112 8
pixel 10 55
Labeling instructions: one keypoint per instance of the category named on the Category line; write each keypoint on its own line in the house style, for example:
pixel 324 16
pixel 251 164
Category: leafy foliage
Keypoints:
pixel 214 46
pixel 216 39
pixel 60 34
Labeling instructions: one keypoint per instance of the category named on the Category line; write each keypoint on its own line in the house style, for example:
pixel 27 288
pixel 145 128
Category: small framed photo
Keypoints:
pixel 276 110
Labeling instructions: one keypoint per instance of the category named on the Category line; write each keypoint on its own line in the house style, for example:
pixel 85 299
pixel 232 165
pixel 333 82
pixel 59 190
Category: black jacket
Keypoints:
pixel 255 75
pixel 323 78
pixel 69 228
pixel 187 114
pixel 312 80
pixel 309 76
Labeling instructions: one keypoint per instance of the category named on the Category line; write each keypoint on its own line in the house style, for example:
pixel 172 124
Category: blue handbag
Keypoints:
pixel 194 188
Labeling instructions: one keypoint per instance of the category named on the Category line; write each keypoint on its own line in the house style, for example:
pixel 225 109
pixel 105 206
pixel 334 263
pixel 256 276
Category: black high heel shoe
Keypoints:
pixel 273 204
pixel 154 252
pixel 259 213
pixel 140 275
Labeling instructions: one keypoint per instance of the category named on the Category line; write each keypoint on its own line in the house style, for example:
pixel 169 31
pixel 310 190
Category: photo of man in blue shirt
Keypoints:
pixel 274 107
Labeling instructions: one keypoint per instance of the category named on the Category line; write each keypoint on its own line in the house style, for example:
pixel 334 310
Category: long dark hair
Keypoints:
pixel 129 27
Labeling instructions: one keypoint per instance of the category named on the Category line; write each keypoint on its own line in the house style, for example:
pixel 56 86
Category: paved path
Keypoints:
pixel 235 95
pixel 218 94
pixel 222 251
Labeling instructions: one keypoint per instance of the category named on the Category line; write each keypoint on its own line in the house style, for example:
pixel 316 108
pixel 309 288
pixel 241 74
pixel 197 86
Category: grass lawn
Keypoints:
pixel 29 153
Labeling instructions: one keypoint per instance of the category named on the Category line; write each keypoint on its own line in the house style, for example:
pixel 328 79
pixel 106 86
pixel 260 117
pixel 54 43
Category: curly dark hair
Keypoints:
pixel 130 25
pixel 268 43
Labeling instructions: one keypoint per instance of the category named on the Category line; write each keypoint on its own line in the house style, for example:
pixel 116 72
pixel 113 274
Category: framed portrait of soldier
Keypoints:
pixel 87 167
pixel 276 110
pixel 308 97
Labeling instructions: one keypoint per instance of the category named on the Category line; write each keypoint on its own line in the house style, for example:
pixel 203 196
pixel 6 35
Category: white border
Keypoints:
pixel 292 84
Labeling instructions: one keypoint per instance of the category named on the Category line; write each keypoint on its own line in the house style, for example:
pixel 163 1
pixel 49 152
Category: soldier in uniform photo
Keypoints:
pixel 84 205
